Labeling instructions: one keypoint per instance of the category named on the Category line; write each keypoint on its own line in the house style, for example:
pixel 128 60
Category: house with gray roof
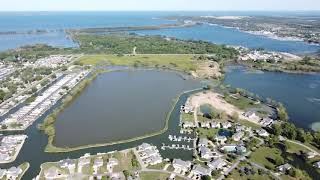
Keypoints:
pixel 199 170
pixel 181 165
pixel 284 168
pixel 217 164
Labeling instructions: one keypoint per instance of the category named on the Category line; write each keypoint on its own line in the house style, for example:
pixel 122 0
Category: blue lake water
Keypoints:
pixel 231 36
pixel 26 21
pixel 299 93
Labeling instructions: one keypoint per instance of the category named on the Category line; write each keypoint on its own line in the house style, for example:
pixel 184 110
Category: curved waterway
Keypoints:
pixel 299 92
pixel 33 149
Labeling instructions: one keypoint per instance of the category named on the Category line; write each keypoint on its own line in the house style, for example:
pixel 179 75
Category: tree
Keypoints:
pixel 276 129
pixel 205 177
pixel 235 116
pixel 2 95
pixel 301 135
pixel 282 112
pixel 289 130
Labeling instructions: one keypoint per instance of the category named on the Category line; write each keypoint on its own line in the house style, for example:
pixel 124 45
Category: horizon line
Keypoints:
pixel 250 10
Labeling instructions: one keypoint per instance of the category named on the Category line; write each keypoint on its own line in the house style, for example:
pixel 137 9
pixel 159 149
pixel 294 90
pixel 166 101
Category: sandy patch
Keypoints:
pixel 216 100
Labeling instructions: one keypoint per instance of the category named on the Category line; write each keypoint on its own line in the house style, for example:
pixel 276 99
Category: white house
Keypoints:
pixel 215 124
pixel 203 142
pixel 237 136
pixel 317 164
pixel 284 167
pixel 221 139
pixel 226 125
pixel 52 173
pixel 262 133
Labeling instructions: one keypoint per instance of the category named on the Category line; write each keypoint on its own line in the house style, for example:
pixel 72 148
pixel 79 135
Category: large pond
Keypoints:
pixel 299 92
pixel 120 105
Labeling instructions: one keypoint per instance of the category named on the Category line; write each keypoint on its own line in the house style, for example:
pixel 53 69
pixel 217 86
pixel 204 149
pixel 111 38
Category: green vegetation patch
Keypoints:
pixel 187 117
pixel 184 63
pixel 265 157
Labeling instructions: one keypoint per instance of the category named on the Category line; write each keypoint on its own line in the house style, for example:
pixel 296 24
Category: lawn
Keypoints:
pixel 235 174
pixel 202 132
pixel 203 119
pixel 261 154
pixel 125 161
pixel 187 117
pixel 242 102
pixel 155 176
pixel 295 148
pixel 177 62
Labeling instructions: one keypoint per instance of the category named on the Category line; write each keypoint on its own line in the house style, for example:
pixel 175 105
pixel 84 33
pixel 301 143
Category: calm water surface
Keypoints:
pixel 120 105
pixel 299 93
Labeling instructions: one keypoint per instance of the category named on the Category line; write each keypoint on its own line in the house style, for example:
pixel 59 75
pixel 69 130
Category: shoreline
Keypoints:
pixel 51 148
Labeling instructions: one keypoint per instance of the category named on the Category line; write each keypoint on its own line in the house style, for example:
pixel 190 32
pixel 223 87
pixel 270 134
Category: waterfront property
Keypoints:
pixel 101 165
pixel 10 147
pixel 26 115
pixel 14 173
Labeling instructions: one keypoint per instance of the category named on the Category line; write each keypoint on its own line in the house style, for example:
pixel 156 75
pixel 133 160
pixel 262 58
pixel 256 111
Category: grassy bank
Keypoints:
pixel 24 167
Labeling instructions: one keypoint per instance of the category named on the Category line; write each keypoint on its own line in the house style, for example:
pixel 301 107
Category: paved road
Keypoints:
pixel 307 147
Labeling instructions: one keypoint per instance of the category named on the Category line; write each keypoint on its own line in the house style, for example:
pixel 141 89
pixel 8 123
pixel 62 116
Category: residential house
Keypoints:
pixel 217 164
pixel 52 173
pixel 97 163
pixel 153 160
pixel 205 153
pixel 181 165
pixel 266 121
pixel 221 139
pixel 200 171
pixel 69 164
pixel 284 168
pixel 241 149
pixel 203 142
pixel 188 125
pixel 215 124
pixel 262 133
pixel 13 172
pixel 251 115
pixel 239 128
pixel 226 125
pixel 237 136
pixel 205 124
pixel 317 164
pixel 144 147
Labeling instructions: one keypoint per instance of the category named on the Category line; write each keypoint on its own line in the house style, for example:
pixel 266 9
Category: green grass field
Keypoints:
pixel 187 117
pixel 177 62
pixel 261 154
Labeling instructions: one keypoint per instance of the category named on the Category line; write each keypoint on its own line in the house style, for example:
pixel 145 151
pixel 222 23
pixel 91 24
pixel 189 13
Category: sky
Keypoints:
pixel 158 5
